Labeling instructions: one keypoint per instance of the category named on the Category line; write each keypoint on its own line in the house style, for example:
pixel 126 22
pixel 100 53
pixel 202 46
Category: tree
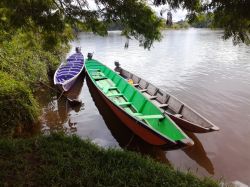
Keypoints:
pixel 52 17
pixel 203 20
pixel 137 18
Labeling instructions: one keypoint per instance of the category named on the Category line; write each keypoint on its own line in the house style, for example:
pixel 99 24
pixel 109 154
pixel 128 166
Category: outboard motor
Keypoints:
pixel 78 49
pixel 90 55
pixel 118 69
pixel 117 64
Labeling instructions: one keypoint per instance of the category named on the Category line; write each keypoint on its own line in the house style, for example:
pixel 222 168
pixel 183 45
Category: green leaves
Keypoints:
pixel 234 17
pixel 51 17
pixel 139 21
pixel 24 62
pixel 17 105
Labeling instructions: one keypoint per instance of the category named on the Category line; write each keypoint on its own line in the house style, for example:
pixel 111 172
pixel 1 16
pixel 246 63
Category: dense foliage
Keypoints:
pixel 25 61
pixel 24 55
pixel 17 104
pixel 58 160
pixel 52 17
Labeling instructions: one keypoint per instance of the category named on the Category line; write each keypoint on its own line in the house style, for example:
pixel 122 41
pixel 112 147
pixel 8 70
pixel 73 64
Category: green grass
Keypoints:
pixel 59 160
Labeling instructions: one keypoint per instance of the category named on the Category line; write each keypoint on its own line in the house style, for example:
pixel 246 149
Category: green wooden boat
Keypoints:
pixel 136 111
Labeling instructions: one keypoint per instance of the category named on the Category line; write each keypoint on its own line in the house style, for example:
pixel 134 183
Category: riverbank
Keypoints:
pixel 60 160
pixel 26 61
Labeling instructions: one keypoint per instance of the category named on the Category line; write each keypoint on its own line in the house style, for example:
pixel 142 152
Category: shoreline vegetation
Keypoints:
pixel 63 160
pixel 203 20
pixel 183 24
pixel 26 63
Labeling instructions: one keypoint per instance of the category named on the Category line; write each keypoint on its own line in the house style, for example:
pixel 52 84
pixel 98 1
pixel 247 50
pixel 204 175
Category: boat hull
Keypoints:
pixel 66 87
pixel 189 126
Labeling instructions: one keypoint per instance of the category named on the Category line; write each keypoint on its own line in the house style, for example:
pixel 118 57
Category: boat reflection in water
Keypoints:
pixel 128 140
pixel 56 113
pixel 198 154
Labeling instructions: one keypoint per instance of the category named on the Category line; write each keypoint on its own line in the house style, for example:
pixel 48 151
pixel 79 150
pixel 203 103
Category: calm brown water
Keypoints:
pixel 199 68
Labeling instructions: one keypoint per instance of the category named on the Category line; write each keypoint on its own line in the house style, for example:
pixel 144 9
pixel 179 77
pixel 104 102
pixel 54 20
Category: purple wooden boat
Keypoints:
pixel 66 75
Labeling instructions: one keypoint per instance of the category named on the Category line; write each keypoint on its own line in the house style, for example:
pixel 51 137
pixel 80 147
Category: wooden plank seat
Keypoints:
pixel 142 116
pixel 106 89
pixel 152 97
pixel 97 74
pixel 175 115
pixel 157 116
pixel 143 90
pixel 163 105
pixel 159 104
pixel 178 115
pixel 147 95
pixel 94 70
pixel 115 95
pixel 97 78
pixel 123 104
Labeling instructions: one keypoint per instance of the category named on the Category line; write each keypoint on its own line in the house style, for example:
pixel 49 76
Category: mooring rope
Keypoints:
pixel 130 140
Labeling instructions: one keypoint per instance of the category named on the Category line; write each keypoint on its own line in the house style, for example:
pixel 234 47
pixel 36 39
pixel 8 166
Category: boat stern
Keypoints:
pixel 214 128
pixel 187 142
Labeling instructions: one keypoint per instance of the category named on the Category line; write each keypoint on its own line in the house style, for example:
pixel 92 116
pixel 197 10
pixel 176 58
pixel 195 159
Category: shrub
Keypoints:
pixel 17 104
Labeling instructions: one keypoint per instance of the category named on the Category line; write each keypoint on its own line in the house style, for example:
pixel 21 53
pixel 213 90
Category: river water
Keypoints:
pixel 196 66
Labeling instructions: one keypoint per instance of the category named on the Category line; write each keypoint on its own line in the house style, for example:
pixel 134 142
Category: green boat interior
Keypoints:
pixel 124 95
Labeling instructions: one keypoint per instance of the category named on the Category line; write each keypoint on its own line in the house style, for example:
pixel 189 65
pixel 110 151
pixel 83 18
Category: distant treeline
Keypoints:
pixel 182 24
pixel 201 21
pixel 204 20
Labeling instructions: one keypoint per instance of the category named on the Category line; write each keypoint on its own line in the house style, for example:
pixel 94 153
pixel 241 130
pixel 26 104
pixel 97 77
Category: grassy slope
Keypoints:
pixel 60 160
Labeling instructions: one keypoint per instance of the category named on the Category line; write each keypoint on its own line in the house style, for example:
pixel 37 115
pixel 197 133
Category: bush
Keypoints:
pixel 17 104
pixel 29 58
pixel 23 55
